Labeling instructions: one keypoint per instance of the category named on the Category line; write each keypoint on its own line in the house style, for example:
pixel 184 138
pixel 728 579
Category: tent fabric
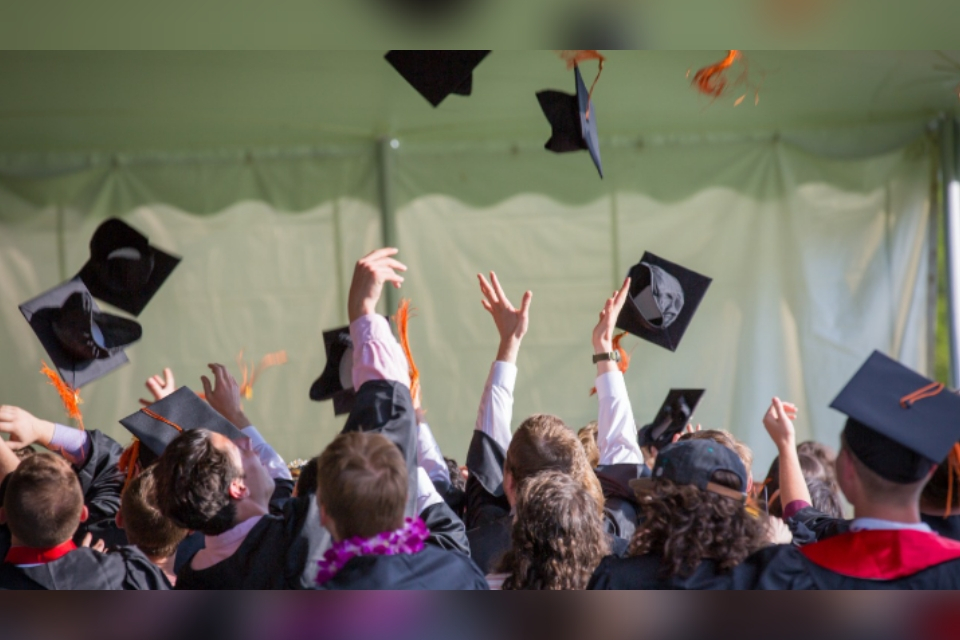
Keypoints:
pixel 817 257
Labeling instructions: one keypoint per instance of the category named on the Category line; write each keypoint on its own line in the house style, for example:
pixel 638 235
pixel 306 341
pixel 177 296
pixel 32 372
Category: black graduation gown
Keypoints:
pixel 83 569
pixel 855 560
pixel 810 525
pixel 620 506
pixel 431 569
pixel 948 527
pixel 100 480
pixel 643 572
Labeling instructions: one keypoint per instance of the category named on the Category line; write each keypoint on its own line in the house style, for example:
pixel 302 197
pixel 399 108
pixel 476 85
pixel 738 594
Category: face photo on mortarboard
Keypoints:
pixel 573 119
pixel 336 381
pixel 436 74
pixel 663 299
pixel 83 343
pixel 124 270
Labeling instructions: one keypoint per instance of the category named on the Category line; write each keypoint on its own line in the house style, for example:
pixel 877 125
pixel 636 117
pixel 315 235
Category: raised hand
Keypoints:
pixel 369 276
pixel 603 332
pixel 512 323
pixel 24 428
pixel 224 395
pixel 99 546
pixel 159 387
pixel 778 422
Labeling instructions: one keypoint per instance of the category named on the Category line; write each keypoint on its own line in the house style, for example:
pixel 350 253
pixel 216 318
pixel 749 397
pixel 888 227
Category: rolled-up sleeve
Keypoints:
pixel 376 353
pixel 616 428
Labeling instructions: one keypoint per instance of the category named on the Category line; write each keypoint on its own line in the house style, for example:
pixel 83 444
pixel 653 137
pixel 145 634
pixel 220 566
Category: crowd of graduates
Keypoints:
pixel 202 501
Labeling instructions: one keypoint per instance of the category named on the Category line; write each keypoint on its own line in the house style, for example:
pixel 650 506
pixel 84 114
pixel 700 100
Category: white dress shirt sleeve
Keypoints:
pixel 268 457
pixel 376 353
pixel 429 456
pixel 496 404
pixel 427 494
pixel 616 429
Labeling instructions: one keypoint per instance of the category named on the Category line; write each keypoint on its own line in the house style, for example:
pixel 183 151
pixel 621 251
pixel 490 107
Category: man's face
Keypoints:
pixel 256 478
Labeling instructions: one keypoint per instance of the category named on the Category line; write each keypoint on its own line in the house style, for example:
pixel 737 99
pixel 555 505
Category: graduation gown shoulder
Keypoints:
pixel 446 529
pixel 83 569
pixel 485 500
pixel 431 569
pixel 643 572
pixel 948 527
pixel 490 542
pixel 620 507
pixel 280 552
pixel 100 478
pixel 810 525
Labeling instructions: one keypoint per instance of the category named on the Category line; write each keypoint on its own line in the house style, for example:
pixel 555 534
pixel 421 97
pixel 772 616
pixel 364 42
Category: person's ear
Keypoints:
pixel 84 514
pixel 119 519
pixel 510 488
pixel 328 522
pixel 238 489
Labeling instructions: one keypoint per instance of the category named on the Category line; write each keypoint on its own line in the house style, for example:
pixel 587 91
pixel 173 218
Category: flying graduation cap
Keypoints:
pixel 336 381
pixel 83 342
pixel 574 120
pixel 435 74
pixel 123 269
pixel 663 298
pixel 674 414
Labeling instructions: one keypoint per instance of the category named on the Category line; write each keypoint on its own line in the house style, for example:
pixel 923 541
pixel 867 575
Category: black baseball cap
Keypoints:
pixel 693 462
pixel 900 423
pixel 663 299
pixel 573 119
pixel 674 414
pixel 83 342
pixel 435 74
pixel 123 269
pixel 336 381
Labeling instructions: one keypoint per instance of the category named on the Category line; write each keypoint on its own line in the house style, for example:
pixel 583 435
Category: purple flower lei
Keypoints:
pixel 408 539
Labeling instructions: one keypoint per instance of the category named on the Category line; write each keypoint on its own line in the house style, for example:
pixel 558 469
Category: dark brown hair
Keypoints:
pixel 307 480
pixel 558 536
pixel 544 443
pixel 588 438
pixel 43 501
pixel 362 484
pixel 145 526
pixel 684 526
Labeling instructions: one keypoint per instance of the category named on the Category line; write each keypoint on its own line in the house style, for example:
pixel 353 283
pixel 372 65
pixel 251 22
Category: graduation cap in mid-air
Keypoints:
pixel 435 74
pixel 336 381
pixel 900 423
pixel 123 269
pixel 83 342
pixel 674 414
pixel 158 425
pixel 574 120
pixel 663 298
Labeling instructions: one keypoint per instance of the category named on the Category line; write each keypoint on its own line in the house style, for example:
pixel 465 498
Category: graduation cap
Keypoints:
pixel 123 269
pixel 83 342
pixel 574 120
pixel 156 426
pixel 336 381
pixel 673 416
pixel 900 422
pixel 663 298
pixel 435 74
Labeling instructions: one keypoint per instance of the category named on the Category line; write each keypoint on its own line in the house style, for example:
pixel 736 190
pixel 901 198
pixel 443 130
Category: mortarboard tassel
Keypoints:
pixel 711 80
pixel 270 360
pixel 624 363
pixel 574 57
pixel 403 324
pixel 68 395
pixel 129 460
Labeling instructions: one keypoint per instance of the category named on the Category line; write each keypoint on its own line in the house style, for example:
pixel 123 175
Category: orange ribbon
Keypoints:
pixel 929 391
pixel 574 57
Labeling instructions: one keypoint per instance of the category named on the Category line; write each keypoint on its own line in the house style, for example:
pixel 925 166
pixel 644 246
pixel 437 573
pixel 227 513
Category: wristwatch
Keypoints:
pixel 613 356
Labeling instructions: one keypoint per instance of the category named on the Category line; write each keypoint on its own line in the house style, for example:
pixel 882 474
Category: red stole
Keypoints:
pixel 30 555
pixel 882 554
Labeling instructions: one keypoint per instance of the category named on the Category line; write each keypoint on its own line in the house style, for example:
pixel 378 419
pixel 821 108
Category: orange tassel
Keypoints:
pixel 953 460
pixel 574 57
pixel 129 461
pixel 711 80
pixel 624 363
pixel 403 325
pixel 68 395
pixel 250 375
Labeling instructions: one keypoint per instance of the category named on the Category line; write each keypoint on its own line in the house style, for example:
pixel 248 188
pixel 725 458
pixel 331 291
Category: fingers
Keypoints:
pixel 487 290
pixel 621 296
pixel 207 389
pixel 380 253
pixel 87 540
pixel 498 289
pixel 487 306
pixel 168 377
pixel 525 303
pixel 100 546
pixel 13 445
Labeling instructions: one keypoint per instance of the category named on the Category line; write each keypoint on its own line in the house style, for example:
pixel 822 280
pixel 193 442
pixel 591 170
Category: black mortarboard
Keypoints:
pixel 693 462
pixel 123 269
pixel 154 425
pixel 900 422
pixel 435 74
pixel 574 120
pixel 336 381
pixel 84 343
pixel 663 298
pixel 673 416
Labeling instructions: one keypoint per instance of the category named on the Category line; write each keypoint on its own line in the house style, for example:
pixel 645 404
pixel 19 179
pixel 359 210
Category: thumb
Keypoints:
pixel 13 445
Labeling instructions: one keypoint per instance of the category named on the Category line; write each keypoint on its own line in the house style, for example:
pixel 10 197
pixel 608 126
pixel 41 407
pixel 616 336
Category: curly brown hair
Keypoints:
pixel 588 438
pixel 685 525
pixel 558 535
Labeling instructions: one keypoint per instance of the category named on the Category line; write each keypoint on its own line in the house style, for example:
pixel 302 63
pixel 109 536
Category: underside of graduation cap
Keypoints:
pixel 435 74
pixel 674 415
pixel 573 121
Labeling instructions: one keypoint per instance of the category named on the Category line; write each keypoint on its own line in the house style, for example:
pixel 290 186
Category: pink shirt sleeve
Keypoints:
pixel 376 353
pixel 794 508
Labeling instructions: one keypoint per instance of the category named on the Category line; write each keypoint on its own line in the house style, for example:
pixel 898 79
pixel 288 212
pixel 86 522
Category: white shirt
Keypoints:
pixel 427 494
pixel 875 524
pixel 429 456
pixel 268 457
pixel 616 428
pixel 496 403
pixel 219 548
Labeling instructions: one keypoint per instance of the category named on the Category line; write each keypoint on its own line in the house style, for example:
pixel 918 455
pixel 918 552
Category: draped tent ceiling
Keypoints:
pixel 811 210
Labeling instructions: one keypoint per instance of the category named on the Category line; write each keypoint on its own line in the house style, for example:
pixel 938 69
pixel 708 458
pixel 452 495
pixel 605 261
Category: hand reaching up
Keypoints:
pixel 224 396
pixel 779 424
pixel 24 428
pixel 603 332
pixel 159 387
pixel 512 323
pixel 370 274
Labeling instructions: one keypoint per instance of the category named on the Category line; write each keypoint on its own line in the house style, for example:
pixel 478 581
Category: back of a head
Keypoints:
pixel 813 472
pixel 307 480
pixel 876 489
pixel 685 525
pixel 825 498
pixel 826 456
pixel 544 443
pixel 192 484
pixel 726 439
pixel 43 501
pixel 558 535
pixel 145 526
pixel 362 484
pixel 588 438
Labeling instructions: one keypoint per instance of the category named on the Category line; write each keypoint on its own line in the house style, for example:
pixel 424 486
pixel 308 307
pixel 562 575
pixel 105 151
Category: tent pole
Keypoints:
pixel 951 226
pixel 388 221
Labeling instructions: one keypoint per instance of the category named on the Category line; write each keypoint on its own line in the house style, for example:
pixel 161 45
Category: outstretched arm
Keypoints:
pixel 616 428
pixel 778 422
